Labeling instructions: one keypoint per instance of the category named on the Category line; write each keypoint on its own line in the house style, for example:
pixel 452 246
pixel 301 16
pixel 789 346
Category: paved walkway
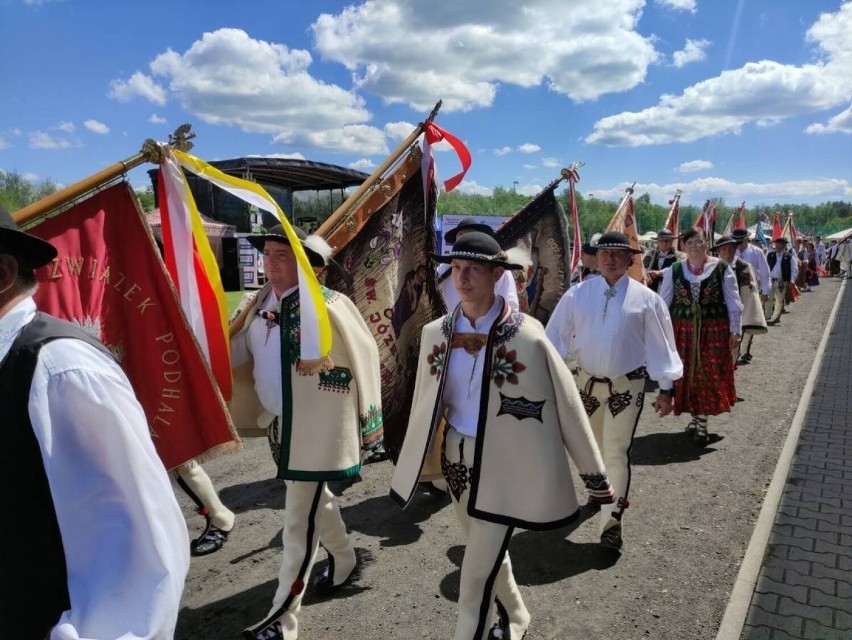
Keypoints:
pixel 804 589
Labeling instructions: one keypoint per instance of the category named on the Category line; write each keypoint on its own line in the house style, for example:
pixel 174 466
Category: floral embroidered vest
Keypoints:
pixel 711 297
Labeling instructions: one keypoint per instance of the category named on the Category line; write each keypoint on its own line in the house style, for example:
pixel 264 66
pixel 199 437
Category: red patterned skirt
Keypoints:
pixel 707 386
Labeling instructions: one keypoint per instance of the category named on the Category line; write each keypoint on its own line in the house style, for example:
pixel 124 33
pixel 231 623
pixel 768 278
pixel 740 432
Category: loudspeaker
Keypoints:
pixel 232 279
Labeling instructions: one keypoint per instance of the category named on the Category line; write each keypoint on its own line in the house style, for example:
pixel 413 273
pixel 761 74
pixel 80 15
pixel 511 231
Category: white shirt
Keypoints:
pixel 730 288
pixel 262 340
pixel 504 287
pixel 757 259
pixel 635 331
pixel 775 274
pixel 124 536
pixel 462 389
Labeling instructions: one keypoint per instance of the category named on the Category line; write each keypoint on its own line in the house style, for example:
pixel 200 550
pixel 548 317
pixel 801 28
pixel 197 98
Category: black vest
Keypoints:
pixel 668 261
pixel 31 554
pixel 786 270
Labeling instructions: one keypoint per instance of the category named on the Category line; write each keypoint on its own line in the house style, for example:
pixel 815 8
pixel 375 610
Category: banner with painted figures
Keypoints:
pixel 384 246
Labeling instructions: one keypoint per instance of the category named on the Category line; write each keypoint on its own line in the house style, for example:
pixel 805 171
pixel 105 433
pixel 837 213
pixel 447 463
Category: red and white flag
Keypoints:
pixel 433 134
pixel 192 265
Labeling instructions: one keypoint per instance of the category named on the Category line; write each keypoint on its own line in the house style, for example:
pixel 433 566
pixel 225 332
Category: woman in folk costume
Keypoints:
pixel 812 265
pixel 706 311
pixel 319 417
pixel 496 412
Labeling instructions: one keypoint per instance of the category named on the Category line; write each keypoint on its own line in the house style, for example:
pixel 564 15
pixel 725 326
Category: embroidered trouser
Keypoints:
pixel 311 517
pixel 779 293
pixel 486 570
pixel 199 483
pixel 614 407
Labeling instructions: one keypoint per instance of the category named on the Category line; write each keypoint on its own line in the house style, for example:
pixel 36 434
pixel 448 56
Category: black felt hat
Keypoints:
pixel 276 234
pixel 665 234
pixel 739 234
pixel 588 248
pixel 30 252
pixel 615 240
pixel 781 239
pixel 723 240
pixel 467 224
pixel 479 247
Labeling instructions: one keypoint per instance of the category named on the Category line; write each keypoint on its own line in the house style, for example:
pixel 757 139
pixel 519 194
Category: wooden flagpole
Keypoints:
pixel 352 201
pixel 150 152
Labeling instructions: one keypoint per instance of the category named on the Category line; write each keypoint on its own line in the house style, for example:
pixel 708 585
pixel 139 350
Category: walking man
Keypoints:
pixel 319 422
pixel 616 330
pixel 497 413
pixel 783 270
pixel 94 544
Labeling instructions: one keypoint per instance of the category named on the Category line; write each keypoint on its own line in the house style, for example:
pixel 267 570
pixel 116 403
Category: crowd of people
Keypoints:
pixel 497 395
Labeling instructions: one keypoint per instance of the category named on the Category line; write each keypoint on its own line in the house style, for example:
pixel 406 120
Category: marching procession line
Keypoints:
pixel 736 612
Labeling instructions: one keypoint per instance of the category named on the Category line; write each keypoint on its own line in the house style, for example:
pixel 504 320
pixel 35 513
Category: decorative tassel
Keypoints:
pixel 313 367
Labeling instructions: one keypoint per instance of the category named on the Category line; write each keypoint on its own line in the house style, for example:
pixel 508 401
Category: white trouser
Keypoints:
pixel 200 484
pixel 779 294
pixel 613 408
pixel 311 516
pixel 486 570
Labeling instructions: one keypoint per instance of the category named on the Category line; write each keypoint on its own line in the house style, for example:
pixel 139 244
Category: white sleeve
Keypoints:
pixel 560 326
pixel 667 287
pixel 507 288
pixel 124 536
pixel 763 273
pixel 794 268
pixel 732 300
pixel 662 360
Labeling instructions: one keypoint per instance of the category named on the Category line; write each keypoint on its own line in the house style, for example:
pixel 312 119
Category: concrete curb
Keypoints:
pixel 738 605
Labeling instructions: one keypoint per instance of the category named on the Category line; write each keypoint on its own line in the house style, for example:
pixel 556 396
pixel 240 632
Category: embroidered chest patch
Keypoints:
pixel 436 359
pixel 506 366
pixel 521 407
pixel 337 379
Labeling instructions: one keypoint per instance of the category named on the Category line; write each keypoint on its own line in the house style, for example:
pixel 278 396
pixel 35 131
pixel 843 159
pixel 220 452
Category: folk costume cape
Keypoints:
pixel 531 418
pixel 328 415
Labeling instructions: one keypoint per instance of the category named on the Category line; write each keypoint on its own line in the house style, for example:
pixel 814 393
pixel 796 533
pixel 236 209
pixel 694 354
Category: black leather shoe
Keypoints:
pixel 323 584
pixel 208 542
pixel 271 631
pixel 611 538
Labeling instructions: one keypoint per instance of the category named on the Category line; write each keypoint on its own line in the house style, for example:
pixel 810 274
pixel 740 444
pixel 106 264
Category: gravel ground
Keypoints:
pixel 691 515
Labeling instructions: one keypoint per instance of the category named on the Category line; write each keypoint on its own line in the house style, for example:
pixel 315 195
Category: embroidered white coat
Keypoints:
pixel 531 419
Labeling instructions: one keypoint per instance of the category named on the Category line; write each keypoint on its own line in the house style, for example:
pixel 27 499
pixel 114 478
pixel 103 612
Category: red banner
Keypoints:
pixel 109 279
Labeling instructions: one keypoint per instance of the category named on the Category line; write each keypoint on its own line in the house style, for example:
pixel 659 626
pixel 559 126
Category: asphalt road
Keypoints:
pixel 690 518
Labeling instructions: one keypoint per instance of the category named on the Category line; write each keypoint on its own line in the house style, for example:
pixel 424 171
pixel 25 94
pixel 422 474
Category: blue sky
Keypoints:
pixel 722 98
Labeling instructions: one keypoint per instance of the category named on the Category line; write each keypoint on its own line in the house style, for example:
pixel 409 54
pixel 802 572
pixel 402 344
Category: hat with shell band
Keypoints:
pixel 479 247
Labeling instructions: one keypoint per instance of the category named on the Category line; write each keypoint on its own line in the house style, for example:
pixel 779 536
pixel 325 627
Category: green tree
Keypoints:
pixel 146 198
pixel 16 192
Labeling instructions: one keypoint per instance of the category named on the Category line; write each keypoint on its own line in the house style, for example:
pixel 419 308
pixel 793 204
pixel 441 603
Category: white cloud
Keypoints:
pixel 699 190
pixel 528 147
pixel 229 78
pixel 694 165
pixel 155 119
pixel 67 127
pixel 36 3
pixel 138 85
pixel 472 188
pixel 16 132
pixel 680 5
pixel 364 164
pixel 351 138
pixel 530 166
pixel 529 189
pixel 31 177
pixel 42 140
pixel 841 123
pixel 502 151
pixel 4 144
pixel 764 91
pixel 285 156
pixel 473 48
pixel 693 51
pixel 399 131
pixel 550 162
pixel 96 127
